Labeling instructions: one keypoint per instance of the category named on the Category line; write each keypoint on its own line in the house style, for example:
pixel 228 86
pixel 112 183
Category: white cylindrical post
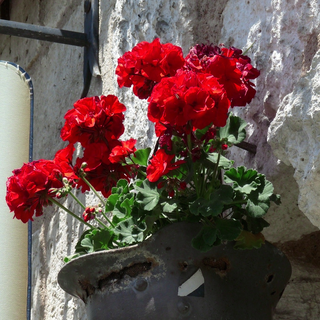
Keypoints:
pixel 14 151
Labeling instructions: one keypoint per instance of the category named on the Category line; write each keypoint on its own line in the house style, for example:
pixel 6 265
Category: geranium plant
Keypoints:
pixel 185 177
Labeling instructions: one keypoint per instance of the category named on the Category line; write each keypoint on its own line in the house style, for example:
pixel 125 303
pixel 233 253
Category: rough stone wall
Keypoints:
pixel 284 45
pixel 56 71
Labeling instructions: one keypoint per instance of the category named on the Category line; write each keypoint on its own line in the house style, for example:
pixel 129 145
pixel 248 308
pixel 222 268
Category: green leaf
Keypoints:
pixel 141 156
pixel 255 225
pixel 205 239
pixel 148 195
pixel 111 202
pixel 228 229
pixel 123 207
pixel 206 208
pixel 199 133
pixel 123 184
pixel 69 258
pixel 209 236
pixel 87 244
pixel 118 214
pixel 150 223
pixel 224 194
pixel 129 232
pixel 213 206
pixel 224 163
pixel 259 200
pixel 248 240
pixel 265 189
pixel 138 214
pixel 127 204
pixel 91 241
pixel 169 206
pixel 244 181
pixel 98 239
pixel 234 130
pixel 79 248
pixel 122 187
pixel 276 198
pixel 257 208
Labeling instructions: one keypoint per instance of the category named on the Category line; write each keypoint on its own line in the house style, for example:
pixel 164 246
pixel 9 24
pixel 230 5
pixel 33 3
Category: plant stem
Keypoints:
pixel 77 200
pixel 105 216
pixel 203 180
pixel 245 52
pixel 105 141
pixel 84 207
pixel 93 189
pixel 209 222
pixel 156 147
pixel 100 222
pixel 227 215
pixel 189 142
pixel 70 212
pixel 143 173
pixel 215 175
pixel 238 202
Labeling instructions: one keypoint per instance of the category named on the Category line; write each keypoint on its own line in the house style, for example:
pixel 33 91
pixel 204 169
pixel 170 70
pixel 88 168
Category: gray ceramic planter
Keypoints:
pixel 165 278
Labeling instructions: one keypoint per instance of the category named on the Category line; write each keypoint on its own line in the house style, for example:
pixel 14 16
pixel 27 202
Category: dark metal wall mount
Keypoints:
pixel 89 39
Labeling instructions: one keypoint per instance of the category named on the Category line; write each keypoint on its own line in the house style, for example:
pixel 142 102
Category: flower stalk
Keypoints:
pixel 70 212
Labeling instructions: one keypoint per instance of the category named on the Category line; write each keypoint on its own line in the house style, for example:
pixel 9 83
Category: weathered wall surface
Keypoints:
pixel 284 41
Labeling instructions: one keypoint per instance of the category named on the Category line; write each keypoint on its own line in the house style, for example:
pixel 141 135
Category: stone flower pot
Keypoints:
pixel 165 278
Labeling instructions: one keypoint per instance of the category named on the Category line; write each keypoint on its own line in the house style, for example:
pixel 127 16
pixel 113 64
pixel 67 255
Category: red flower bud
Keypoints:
pixel 224 147
pixel 183 185
pixel 171 193
pixel 88 214
pixel 160 185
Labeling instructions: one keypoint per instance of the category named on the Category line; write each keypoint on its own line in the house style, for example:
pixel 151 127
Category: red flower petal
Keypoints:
pixel 160 165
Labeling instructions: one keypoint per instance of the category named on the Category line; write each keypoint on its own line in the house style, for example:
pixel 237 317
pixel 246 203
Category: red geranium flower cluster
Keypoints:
pixel 189 93
pixel 97 123
pixel 30 188
pixel 94 120
pixel 232 69
pixel 147 64
pixel 185 94
pixel 189 99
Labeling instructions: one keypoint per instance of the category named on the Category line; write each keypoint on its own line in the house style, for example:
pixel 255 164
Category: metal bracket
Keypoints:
pixel 89 39
pixel 91 29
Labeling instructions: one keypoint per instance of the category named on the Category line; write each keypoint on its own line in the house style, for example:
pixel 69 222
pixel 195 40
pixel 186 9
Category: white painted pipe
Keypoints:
pixel 14 151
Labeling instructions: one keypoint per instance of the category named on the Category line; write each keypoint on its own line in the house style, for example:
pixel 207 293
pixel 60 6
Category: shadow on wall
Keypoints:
pixel 210 22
